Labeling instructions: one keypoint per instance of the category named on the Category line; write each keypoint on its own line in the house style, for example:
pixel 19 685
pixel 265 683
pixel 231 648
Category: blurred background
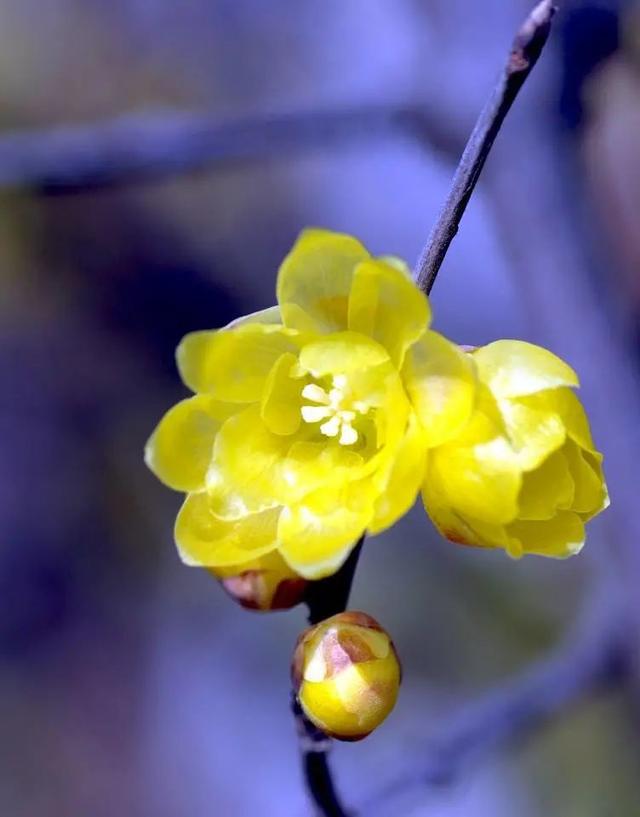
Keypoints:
pixel 130 684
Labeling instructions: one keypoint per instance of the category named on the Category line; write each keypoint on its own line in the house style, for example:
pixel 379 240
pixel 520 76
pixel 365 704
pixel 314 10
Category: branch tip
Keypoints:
pixel 532 37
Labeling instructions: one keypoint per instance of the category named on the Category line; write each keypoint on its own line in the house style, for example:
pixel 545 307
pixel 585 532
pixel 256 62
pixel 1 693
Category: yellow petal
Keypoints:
pixel 233 364
pixel 513 368
pixel 281 399
pixel 180 449
pixel 247 463
pixel 533 432
pixel 559 537
pixel 482 481
pixel 343 352
pixel 404 479
pixel 451 525
pixel 567 406
pixel 317 535
pixel 204 540
pixel 314 280
pixel 548 488
pixel 441 384
pixel 270 315
pixel 309 465
pixel 385 304
pixel 591 495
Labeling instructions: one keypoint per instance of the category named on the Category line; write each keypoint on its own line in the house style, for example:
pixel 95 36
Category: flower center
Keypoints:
pixel 335 409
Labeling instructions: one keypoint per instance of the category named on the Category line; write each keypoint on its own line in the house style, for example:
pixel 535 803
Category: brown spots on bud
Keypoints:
pixel 288 593
pixel 360 620
pixel 341 648
pixel 346 674
pixel 263 588
pixel 247 589
pixel 456 537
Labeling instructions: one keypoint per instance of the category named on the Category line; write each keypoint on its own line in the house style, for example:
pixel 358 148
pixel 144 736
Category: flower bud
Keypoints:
pixel 267 583
pixel 346 675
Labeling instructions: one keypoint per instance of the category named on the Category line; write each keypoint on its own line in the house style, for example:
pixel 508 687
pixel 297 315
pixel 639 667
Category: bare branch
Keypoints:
pixel 527 47
pixel 331 596
pixel 135 148
pixel 585 665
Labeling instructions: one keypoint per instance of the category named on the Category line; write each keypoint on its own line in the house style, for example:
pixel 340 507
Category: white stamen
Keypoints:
pixel 348 435
pixel 331 427
pixel 313 414
pixel 335 407
pixel 315 393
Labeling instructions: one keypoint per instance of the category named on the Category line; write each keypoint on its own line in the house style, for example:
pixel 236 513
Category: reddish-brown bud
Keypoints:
pixel 267 583
pixel 346 675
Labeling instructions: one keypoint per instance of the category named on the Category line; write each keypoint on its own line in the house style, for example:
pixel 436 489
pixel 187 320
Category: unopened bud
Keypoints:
pixel 268 583
pixel 346 675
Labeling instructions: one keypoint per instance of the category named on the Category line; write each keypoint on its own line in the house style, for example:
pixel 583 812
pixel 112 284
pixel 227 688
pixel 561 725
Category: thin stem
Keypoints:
pixel 527 47
pixel 330 596
pixel 325 598
pixel 314 749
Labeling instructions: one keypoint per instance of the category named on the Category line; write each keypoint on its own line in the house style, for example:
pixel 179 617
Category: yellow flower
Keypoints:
pixel 523 475
pixel 311 420
pixel 346 674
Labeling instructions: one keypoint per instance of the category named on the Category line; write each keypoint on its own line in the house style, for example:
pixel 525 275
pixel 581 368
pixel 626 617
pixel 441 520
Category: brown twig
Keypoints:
pixel 330 597
pixel 152 146
pixel 527 47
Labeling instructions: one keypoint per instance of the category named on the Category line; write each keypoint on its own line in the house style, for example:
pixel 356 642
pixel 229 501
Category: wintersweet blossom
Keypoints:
pixel 311 421
pixel 523 474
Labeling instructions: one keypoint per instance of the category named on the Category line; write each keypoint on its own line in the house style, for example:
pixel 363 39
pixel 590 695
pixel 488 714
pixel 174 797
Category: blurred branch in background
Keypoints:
pixel 592 659
pixel 153 146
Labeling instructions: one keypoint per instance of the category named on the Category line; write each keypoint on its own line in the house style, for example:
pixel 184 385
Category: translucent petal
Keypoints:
pixel 247 462
pixel 233 364
pixel 533 432
pixel 559 537
pixel 309 465
pixel 404 479
pixel 343 352
pixel 450 524
pixel 591 492
pixel 180 449
pixel 270 315
pixel 441 384
pixel 482 481
pixel 317 535
pixel 385 304
pixel 567 406
pixel 205 540
pixel 315 279
pixel 281 399
pixel 547 489
pixel 513 368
